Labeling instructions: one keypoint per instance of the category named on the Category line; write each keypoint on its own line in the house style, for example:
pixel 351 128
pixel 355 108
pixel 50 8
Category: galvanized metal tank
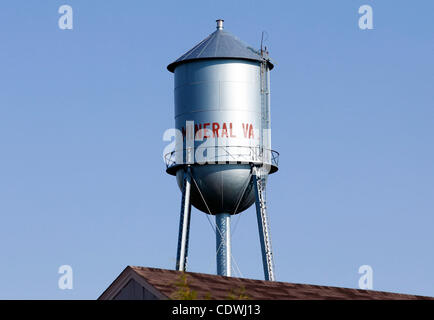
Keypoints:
pixel 219 104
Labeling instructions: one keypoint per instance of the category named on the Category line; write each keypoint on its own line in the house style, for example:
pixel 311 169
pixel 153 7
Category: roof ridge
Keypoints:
pixel 196 46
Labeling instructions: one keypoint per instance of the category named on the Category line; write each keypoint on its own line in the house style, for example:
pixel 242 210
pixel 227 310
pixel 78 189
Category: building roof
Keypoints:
pixel 165 284
pixel 219 44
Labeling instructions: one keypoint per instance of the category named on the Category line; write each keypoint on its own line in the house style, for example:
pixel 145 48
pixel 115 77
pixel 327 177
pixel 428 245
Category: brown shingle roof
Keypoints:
pixel 219 287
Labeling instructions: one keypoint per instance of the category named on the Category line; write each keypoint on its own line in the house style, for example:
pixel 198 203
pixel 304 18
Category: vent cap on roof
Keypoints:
pixel 219 24
pixel 219 44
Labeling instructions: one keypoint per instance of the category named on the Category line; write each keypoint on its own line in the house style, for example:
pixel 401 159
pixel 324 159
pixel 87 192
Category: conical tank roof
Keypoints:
pixel 219 44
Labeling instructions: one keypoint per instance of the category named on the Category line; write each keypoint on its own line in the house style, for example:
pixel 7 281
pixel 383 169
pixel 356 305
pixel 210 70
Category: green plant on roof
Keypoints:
pixel 183 291
pixel 238 294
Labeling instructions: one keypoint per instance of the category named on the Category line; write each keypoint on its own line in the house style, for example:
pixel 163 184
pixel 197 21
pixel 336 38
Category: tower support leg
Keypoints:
pixel 223 243
pixel 184 223
pixel 263 225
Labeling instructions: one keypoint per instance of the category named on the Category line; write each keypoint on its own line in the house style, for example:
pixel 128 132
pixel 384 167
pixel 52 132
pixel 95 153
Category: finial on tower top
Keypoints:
pixel 219 24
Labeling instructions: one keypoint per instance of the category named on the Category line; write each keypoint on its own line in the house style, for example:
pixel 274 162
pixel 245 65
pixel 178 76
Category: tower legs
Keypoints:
pixel 223 229
pixel 263 226
pixel 184 223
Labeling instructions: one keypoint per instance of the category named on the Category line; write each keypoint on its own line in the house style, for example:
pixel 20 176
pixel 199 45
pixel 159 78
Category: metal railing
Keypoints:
pixel 222 154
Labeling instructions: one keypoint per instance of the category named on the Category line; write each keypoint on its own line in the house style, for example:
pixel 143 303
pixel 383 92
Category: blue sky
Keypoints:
pixel 83 112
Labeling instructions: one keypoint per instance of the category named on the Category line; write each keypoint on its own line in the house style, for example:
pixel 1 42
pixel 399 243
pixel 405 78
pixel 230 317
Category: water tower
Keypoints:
pixel 223 155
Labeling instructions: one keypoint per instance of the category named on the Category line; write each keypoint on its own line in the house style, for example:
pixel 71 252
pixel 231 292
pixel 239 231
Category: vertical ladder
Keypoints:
pixel 263 224
pixel 265 135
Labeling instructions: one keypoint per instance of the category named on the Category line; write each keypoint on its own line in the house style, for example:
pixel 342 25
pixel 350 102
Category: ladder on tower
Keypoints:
pixel 263 223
